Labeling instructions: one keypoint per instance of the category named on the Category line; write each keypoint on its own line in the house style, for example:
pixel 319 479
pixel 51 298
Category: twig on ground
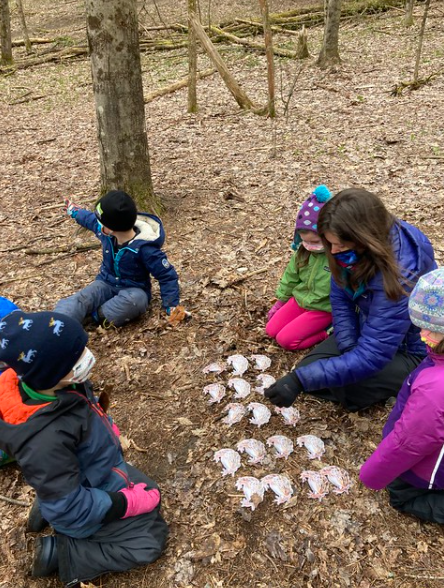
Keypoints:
pixel 68 249
pixel 137 448
pixel 14 501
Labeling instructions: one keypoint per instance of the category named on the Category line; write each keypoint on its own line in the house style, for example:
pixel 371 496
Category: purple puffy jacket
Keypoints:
pixel 413 437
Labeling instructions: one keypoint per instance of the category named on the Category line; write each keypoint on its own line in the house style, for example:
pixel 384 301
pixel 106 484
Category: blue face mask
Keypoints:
pixel 347 258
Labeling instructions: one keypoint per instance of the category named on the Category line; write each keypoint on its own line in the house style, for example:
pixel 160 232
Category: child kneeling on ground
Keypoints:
pixel 131 249
pixel 409 459
pixel 105 513
pixel 302 314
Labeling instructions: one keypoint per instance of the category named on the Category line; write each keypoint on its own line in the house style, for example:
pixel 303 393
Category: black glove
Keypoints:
pixel 284 391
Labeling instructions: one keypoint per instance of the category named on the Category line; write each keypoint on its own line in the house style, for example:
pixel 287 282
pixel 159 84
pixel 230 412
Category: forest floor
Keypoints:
pixel 231 183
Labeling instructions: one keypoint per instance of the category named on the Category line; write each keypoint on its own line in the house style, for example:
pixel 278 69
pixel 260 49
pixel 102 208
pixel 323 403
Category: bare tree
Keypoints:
pixel 420 41
pixel 192 58
pixel 408 18
pixel 113 39
pixel 329 54
pixel 5 33
pixel 268 37
pixel 21 13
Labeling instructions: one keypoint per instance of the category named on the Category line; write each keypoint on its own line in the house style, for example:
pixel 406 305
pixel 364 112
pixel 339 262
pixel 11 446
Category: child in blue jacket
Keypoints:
pixel 103 511
pixel 131 248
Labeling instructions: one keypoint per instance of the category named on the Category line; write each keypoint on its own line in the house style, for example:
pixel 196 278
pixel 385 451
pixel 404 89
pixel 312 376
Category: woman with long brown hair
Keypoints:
pixel 375 260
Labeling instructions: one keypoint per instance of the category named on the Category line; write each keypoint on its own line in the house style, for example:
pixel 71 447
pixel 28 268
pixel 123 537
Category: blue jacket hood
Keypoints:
pixel 151 231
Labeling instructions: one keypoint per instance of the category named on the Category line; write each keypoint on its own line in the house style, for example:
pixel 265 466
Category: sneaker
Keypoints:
pixel 46 561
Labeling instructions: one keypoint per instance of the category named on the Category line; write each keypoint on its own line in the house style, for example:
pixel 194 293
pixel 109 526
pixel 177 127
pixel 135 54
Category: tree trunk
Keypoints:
pixel 21 12
pixel 268 38
pixel 408 18
pixel 5 33
pixel 329 54
pixel 192 58
pixel 421 40
pixel 113 39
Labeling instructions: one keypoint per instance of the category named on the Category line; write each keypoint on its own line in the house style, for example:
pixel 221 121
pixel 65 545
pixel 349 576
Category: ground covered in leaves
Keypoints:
pixel 231 183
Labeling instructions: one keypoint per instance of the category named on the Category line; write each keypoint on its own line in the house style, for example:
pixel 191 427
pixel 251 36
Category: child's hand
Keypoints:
pixel 273 310
pixel 177 314
pixel 71 208
pixel 284 391
pixel 140 499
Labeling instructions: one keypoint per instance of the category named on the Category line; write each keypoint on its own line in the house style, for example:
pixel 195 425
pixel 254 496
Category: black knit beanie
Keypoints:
pixel 117 211
pixel 41 347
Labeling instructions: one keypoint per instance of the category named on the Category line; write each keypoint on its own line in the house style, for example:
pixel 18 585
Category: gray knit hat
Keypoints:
pixel 426 302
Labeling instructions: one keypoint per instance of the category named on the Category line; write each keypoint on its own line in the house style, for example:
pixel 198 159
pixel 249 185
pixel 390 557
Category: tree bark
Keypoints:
pixel 268 39
pixel 113 39
pixel 21 12
pixel 420 41
pixel 192 59
pixel 329 54
pixel 408 18
pixel 239 95
pixel 5 33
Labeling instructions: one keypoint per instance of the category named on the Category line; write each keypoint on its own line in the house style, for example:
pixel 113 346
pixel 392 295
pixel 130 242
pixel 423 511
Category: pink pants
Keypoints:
pixel 294 327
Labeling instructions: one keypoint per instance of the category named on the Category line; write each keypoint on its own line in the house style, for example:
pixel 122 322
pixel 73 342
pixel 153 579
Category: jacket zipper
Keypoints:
pixel 122 474
pixel 312 273
pixel 100 414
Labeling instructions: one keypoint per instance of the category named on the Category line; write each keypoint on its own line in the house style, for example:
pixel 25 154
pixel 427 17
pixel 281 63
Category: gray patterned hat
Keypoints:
pixel 426 302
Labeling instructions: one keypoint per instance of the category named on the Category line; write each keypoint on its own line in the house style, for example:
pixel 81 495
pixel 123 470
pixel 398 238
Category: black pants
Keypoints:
pixel 377 388
pixel 427 505
pixel 118 546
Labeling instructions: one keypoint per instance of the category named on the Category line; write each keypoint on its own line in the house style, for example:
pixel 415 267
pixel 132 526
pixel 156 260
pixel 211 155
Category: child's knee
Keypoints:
pixel 139 300
pixel 270 331
pixel 287 343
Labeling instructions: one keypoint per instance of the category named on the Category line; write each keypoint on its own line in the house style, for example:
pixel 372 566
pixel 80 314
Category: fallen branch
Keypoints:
pixel 69 249
pixel 21 278
pixel 137 448
pixel 34 41
pixel 237 92
pixel 178 85
pixel 53 56
pixel 165 45
pixel 26 98
pixel 240 279
pixel 14 501
pixel 253 45
pixel 259 26
pixel 398 89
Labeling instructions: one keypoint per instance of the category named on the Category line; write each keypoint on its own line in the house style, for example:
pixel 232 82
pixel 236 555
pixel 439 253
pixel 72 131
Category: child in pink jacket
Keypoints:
pixel 409 461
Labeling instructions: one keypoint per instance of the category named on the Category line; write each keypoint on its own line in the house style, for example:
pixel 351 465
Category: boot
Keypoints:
pixel 36 523
pixel 46 561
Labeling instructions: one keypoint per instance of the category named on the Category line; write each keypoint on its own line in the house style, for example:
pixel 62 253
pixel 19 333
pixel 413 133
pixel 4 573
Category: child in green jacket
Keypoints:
pixel 302 314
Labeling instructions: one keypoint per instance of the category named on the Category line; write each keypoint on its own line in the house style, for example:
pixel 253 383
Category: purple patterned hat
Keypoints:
pixel 307 217
pixel 426 302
